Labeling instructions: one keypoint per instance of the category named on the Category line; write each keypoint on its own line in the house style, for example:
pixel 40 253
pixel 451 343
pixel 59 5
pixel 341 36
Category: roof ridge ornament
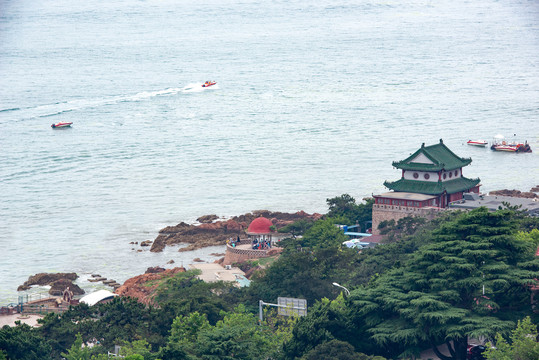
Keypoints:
pixel 441 141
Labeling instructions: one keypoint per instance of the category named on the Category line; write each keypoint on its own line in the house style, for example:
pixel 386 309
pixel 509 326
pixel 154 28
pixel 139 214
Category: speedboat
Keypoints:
pixel 209 83
pixel 481 143
pixel 61 125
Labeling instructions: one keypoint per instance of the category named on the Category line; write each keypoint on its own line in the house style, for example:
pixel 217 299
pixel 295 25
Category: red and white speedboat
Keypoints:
pixel 209 83
pixel 481 143
pixel 61 125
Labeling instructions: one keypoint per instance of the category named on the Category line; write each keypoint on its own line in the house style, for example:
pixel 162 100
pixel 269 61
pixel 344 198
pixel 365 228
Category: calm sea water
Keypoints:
pixel 314 99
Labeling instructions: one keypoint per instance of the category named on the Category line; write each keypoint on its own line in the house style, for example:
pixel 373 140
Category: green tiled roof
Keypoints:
pixel 442 159
pixel 430 187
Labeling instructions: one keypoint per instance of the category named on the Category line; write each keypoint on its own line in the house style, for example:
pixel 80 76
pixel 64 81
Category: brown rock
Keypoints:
pixel 146 243
pixel 159 243
pixel 232 225
pixel 170 262
pixel 154 270
pixel 535 189
pixel 46 279
pixel 198 260
pixel 58 287
pixel 206 219
pixel 142 287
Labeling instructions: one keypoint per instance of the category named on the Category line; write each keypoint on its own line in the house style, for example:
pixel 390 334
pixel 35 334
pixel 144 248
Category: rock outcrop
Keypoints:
pixel 211 232
pixel 43 279
pixel 58 287
pixel 142 287
pixel 515 193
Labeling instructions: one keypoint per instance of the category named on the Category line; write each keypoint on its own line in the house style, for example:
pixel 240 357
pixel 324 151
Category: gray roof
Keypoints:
pixel 494 202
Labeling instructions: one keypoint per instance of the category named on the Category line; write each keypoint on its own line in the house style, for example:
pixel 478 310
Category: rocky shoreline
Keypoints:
pixel 208 231
pixel 211 232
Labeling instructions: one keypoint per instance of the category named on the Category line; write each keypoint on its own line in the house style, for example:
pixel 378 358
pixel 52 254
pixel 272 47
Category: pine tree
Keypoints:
pixel 472 280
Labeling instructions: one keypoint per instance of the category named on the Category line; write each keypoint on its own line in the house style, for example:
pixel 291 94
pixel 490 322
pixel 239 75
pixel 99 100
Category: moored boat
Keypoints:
pixel 499 144
pixel 61 125
pixel 481 143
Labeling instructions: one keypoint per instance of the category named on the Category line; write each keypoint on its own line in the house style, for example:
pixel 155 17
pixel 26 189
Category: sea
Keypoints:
pixel 314 99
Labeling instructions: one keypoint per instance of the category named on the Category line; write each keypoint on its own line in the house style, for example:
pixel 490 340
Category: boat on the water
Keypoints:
pixel 481 143
pixel 209 83
pixel 61 125
pixel 500 144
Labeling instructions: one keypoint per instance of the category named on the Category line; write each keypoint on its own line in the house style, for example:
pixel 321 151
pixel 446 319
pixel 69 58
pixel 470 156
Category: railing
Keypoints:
pixel 42 309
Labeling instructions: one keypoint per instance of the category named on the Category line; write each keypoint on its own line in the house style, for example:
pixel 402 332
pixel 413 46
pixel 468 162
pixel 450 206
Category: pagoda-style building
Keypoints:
pixel 431 179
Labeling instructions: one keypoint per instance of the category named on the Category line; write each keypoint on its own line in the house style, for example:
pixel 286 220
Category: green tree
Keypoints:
pixel 237 336
pixel 23 342
pixel 345 206
pixel 337 350
pixel 185 329
pixel 523 346
pixel 297 227
pixel 324 234
pixel 437 295
pixel 77 351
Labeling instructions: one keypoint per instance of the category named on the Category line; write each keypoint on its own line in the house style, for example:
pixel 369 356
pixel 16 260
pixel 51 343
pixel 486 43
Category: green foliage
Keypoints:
pixel 436 294
pixel 523 345
pixel 185 329
pixel 337 350
pixel 185 293
pixel 345 206
pixel 324 234
pixel 237 336
pixel 136 350
pixel 22 342
pixel 306 275
pixel 77 351
pixel 297 228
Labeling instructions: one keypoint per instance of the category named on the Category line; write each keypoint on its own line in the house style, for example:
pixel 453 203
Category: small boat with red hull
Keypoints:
pixel 500 144
pixel 61 125
pixel 481 143
pixel 209 83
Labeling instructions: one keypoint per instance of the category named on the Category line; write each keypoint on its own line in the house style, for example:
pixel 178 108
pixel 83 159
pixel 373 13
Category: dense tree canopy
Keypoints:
pixel 437 295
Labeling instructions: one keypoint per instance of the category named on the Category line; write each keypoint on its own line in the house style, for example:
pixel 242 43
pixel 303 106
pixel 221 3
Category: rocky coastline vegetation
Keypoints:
pixel 210 231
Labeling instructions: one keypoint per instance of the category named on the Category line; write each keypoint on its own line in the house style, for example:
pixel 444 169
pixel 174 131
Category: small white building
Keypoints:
pixel 98 297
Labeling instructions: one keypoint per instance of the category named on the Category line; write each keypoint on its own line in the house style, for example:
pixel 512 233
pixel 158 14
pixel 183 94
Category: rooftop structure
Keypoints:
pixel 431 178
pixel 260 225
pixel 97 297
pixel 433 170
pixel 494 202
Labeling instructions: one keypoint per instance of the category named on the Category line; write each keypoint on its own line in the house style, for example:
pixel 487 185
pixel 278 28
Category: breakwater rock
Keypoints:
pixel 142 287
pixel 57 281
pixel 213 232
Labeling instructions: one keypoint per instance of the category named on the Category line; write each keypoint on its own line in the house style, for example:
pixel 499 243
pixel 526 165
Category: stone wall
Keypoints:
pixel 236 254
pixel 381 212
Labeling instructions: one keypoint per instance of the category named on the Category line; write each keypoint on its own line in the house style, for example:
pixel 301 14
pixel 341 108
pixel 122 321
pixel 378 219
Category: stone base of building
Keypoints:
pixel 243 253
pixel 394 212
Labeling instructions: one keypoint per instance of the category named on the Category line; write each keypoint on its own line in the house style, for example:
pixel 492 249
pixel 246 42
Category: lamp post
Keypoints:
pixel 345 289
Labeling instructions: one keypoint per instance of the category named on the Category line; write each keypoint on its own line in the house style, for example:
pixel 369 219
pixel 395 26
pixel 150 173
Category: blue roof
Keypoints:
pixel 351 233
